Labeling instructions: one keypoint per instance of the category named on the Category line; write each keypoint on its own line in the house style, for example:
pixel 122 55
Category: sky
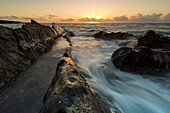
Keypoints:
pixel 80 11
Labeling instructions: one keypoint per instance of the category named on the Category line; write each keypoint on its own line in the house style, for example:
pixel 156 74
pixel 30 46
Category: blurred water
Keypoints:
pixel 136 29
pixel 130 93
pixel 90 29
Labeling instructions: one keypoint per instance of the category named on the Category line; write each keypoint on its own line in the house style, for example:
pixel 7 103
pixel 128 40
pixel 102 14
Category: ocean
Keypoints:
pixel 127 92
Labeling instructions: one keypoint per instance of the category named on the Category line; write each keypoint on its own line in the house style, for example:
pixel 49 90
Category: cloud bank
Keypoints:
pixel 93 20
pixel 140 18
pixel 137 18
pixel 121 18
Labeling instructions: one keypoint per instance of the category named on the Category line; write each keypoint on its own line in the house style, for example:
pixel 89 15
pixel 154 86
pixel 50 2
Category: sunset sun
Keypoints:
pixel 92 22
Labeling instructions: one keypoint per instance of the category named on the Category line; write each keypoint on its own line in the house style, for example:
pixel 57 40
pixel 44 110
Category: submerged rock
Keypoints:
pixel 70 93
pixel 112 35
pixel 155 41
pixel 142 60
pixel 19 47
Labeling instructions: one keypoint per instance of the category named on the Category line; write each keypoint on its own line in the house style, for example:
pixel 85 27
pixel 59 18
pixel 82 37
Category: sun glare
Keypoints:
pixel 91 22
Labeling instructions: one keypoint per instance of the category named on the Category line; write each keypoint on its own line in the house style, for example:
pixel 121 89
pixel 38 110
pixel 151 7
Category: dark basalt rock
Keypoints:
pixel 70 93
pixel 142 60
pixel 19 47
pixel 111 36
pixel 152 40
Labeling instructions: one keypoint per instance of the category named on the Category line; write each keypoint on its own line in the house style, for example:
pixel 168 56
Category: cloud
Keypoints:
pixel 86 19
pixel 166 17
pixel 9 17
pixel 25 19
pixel 146 18
pixel 67 20
pixel 121 18
pixel 138 18
pixel 52 16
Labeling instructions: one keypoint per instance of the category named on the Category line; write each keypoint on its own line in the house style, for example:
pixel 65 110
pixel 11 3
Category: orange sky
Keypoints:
pixel 86 10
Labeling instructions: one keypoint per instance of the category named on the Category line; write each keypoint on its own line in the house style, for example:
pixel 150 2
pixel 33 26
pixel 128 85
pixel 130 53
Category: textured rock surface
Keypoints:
pixel 19 47
pixel 150 56
pixel 67 36
pixel 70 93
pixel 112 35
pixel 142 60
pixel 152 40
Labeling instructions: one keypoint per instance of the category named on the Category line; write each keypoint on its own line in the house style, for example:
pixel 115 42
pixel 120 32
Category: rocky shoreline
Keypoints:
pixel 148 55
pixel 70 93
pixel 20 47
pixel 151 55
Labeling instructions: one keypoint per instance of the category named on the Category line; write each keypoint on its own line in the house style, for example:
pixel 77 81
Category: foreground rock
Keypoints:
pixel 150 56
pixel 155 41
pixel 112 35
pixel 19 47
pixel 142 60
pixel 70 93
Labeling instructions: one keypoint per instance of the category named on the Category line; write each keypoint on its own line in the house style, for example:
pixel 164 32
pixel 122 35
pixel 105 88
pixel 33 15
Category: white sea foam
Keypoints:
pixel 130 93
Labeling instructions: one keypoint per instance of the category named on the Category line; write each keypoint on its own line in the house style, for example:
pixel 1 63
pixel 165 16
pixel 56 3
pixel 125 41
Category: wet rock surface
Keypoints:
pixel 112 35
pixel 155 41
pixel 68 35
pixel 70 93
pixel 19 47
pixel 151 56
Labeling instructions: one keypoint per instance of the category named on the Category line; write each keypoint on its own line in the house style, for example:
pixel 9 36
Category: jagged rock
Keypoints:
pixel 70 93
pixel 142 60
pixel 58 30
pixel 12 60
pixel 112 35
pixel 19 47
pixel 34 22
pixel 67 36
pixel 152 40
